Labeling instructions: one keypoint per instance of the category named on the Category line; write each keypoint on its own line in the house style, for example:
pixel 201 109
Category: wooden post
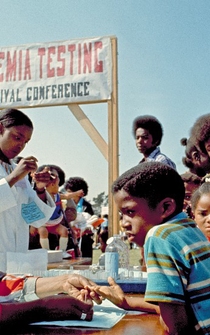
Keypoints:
pixel 90 129
pixel 113 142
pixel 110 151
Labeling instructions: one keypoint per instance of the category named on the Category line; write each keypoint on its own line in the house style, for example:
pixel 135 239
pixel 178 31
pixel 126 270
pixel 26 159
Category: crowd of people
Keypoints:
pixel 166 214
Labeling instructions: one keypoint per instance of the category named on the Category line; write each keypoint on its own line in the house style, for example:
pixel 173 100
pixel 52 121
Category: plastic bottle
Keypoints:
pixel 123 251
pixel 112 260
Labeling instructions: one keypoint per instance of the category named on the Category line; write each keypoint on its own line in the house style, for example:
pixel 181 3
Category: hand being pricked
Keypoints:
pixel 91 294
pixel 113 292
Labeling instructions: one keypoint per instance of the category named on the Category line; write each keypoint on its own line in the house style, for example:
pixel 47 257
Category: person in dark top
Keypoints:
pixel 84 212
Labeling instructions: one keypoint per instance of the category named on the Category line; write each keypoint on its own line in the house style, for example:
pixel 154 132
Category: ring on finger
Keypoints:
pixel 83 316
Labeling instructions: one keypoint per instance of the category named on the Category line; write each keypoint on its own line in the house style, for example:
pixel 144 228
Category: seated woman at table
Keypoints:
pixel 25 299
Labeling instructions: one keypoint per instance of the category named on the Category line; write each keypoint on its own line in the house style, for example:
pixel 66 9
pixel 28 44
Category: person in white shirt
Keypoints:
pixel 21 206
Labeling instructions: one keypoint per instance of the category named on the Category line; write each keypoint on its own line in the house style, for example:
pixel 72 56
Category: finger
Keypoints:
pixel 42 176
pixel 111 281
pixel 31 158
pixel 75 308
pixel 30 165
pixel 81 282
pixel 85 297
pixel 87 282
pixel 96 298
pixel 95 293
pixel 46 169
pixel 73 291
pixel 81 305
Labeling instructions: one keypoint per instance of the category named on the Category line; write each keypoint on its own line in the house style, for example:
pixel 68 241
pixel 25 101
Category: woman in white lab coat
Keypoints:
pixel 20 205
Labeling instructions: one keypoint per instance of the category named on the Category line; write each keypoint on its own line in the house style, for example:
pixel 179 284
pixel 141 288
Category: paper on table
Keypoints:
pixel 108 312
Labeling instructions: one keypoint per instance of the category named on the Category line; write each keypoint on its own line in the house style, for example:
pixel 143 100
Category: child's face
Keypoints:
pixel 14 139
pixel 190 187
pixel 144 141
pixel 202 214
pixel 137 216
pixel 200 160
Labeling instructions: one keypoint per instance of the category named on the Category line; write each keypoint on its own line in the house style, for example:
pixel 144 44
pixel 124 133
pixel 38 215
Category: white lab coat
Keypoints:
pixel 19 207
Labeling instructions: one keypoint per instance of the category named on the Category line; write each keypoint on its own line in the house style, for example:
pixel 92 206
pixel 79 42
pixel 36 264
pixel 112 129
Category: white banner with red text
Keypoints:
pixel 56 73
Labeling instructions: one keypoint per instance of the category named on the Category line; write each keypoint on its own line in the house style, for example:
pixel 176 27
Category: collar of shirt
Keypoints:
pixel 80 206
pixel 154 153
pixel 178 217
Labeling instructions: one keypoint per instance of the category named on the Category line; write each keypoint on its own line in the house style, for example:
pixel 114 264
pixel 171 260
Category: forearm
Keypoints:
pixel 11 179
pixel 51 285
pixel 139 304
pixel 59 307
pixel 65 196
pixel 70 211
pixel 20 314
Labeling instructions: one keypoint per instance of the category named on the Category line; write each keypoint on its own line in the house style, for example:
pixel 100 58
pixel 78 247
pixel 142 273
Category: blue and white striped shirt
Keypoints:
pixel 157 156
pixel 177 255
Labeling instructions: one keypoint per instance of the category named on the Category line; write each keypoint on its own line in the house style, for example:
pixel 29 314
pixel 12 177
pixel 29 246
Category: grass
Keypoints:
pixel 134 256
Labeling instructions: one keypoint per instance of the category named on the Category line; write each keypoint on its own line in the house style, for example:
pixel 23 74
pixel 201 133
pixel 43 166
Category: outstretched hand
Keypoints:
pixel 113 292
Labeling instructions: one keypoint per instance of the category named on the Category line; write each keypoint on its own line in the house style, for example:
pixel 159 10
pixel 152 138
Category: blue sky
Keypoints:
pixel 163 70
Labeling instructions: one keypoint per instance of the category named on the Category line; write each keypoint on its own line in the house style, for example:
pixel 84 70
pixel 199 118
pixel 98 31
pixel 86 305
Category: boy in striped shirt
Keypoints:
pixel 177 254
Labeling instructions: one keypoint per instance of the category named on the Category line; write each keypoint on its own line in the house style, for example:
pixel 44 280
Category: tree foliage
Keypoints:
pixel 99 201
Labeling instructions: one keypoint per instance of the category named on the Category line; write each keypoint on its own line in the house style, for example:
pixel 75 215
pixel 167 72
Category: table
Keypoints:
pixel 140 324
pixel 66 263
pixel 144 324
